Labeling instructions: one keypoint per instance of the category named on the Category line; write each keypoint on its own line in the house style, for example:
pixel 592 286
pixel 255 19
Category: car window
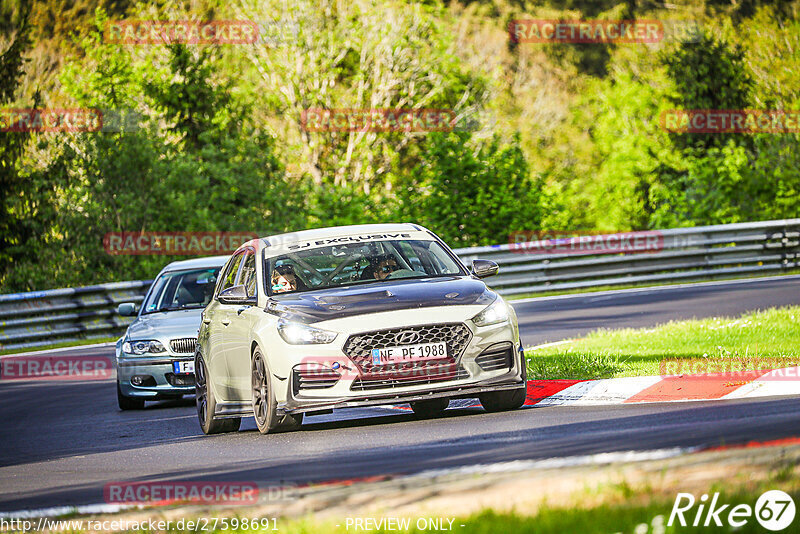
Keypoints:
pixel 230 273
pixel 247 278
pixel 180 290
pixel 350 264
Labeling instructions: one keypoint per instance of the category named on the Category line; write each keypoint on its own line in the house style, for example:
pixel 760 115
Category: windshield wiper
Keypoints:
pixel 176 308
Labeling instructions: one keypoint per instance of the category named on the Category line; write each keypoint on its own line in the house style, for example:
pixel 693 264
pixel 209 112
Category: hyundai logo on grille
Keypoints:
pixel 406 337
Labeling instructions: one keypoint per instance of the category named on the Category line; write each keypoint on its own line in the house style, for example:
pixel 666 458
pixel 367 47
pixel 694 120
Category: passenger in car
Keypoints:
pixel 284 280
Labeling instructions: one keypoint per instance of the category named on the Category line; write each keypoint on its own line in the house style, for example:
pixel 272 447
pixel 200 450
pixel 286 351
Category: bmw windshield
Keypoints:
pixel 358 263
pixel 182 290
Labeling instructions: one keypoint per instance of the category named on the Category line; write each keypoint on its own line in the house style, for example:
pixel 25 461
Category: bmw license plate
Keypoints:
pixel 183 368
pixel 409 353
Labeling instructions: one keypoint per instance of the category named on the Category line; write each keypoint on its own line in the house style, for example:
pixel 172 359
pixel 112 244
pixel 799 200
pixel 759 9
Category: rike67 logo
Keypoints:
pixel 774 510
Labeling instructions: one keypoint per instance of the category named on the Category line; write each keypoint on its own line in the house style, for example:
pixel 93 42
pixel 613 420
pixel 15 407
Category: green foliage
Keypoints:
pixel 708 74
pixel 576 144
pixel 472 193
pixel 221 174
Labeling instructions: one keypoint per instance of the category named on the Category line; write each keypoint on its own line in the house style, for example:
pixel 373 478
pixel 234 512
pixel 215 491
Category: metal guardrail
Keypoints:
pixel 680 254
pixel 42 318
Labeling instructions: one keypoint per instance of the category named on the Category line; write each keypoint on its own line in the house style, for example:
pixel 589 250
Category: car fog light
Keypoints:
pixel 143 380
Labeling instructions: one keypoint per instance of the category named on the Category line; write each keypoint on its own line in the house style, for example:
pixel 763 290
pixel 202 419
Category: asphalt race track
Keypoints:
pixel 61 442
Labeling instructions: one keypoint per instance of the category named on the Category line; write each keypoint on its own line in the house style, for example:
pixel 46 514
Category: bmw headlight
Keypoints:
pixel 143 347
pixel 302 334
pixel 494 313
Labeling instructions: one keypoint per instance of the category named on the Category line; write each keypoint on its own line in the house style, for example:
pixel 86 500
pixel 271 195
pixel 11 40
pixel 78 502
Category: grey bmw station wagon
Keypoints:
pixel 155 357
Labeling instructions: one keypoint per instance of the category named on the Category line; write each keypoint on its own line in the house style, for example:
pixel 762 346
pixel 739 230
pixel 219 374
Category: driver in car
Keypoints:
pixel 385 266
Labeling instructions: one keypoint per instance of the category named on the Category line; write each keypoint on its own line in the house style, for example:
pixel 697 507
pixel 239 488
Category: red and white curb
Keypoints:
pixel 664 388
pixel 642 389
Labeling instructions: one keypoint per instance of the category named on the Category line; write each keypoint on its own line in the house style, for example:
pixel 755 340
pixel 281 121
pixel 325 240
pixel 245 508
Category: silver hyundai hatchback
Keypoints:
pixel 155 357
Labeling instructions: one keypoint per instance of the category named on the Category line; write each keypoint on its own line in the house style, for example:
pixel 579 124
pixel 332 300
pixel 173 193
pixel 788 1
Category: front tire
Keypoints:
pixel 501 401
pixel 265 408
pixel 429 408
pixel 207 403
pixel 128 403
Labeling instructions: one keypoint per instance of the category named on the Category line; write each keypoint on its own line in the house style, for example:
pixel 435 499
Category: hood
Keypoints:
pixel 336 303
pixel 166 325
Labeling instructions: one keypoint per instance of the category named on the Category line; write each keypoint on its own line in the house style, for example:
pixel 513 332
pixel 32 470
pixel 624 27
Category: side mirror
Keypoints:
pixel 127 309
pixel 236 295
pixel 484 268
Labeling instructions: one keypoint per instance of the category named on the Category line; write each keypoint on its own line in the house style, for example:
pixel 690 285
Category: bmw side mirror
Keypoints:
pixel 484 268
pixel 236 295
pixel 127 309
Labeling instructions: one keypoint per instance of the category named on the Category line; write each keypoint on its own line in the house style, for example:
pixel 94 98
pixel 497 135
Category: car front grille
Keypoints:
pixel 500 356
pixel 184 345
pixel 358 348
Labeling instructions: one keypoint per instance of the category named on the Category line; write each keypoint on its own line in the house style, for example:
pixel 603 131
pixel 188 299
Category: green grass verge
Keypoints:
pixel 64 344
pixel 753 341
pixel 624 509
pixel 608 518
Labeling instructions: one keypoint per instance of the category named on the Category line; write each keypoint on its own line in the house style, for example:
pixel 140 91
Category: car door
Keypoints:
pixel 217 318
pixel 239 332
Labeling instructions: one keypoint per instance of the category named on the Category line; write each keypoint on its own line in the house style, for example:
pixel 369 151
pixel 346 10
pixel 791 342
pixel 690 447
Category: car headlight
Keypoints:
pixel 143 347
pixel 302 334
pixel 494 313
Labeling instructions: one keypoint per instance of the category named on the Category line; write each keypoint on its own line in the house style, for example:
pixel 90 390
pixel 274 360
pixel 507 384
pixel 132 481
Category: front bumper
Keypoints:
pixel 164 384
pixel 451 391
pixel 470 386
pixel 444 390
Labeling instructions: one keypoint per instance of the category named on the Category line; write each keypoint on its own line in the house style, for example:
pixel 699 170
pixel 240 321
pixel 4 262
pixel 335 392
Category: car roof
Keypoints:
pixel 196 263
pixel 340 231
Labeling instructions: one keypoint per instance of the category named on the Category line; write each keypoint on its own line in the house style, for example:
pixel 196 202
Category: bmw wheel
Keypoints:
pixel 128 403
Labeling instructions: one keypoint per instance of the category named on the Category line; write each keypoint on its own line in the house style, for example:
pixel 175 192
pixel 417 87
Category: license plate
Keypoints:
pixel 409 353
pixel 183 368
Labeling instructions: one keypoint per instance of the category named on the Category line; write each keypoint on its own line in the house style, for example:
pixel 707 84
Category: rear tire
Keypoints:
pixel 429 408
pixel 501 401
pixel 128 403
pixel 207 403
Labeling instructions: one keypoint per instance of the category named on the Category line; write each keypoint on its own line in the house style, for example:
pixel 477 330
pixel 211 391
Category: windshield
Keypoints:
pixel 182 290
pixel 358 263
